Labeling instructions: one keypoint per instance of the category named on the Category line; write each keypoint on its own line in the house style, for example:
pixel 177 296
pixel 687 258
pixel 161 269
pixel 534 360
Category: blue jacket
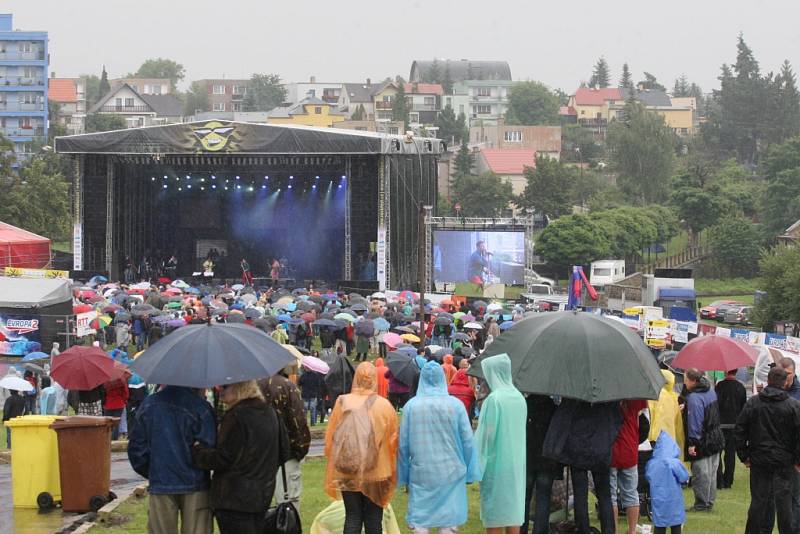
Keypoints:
pixel 703 423
pixel 794 389
pixel 665 473
pixel 160 446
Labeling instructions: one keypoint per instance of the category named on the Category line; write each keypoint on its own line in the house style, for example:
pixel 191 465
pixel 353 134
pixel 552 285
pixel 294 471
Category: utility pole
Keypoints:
pixel 422 262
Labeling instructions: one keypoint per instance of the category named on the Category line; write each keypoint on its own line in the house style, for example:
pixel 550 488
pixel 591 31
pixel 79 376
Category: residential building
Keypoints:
pixel 590 105
pixel 790 235
pixel 24 60
pixel 544 140
pixel 487 99
pixel 140 110
pixel 679 118
pixel 145 86
pixel 311 111
pixel 459 104
pixel 458 70
pixel 383 101
pixel 328 92
pixel 357 95
pixel 387 127
pixel 507 163
pixel 69 94
pixel 425 103
pixel 225 95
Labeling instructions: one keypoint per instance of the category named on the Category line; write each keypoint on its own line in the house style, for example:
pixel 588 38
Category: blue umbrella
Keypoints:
pixel 284 317
pixel 97 280
pixel 34 356
pixel 506 325
pixel 202 356
pixel 290 307
pixel 381 324
pixel 192 290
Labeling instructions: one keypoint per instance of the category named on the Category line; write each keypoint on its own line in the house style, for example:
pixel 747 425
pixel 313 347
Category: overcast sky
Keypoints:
pixel 349 40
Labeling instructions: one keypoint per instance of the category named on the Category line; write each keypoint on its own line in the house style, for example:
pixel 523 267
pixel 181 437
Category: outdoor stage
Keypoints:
pixel 336 204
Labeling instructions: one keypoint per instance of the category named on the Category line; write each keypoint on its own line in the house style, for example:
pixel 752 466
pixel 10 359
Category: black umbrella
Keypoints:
pixel 202 356
pixel 441 353
pixel 365 327
pixel 476 305
pixel 235 318
pixel 327 315
pixel 325 323
pixel 460 336
pixel 299 291
pixel 578 355
pixel 122 317
pixel 143 309
pixel 442 321
pixel 252 313
pixel 358 307
pixel 339 379
pixel 264 325
pixel 445 315
pixel 316 299
pixel 305 305
pixel 403 367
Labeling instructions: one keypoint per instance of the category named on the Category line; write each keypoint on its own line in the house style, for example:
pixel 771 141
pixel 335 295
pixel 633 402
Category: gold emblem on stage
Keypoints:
pixel 214 136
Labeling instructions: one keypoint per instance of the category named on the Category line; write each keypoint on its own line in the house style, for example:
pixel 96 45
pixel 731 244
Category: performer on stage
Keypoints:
pixel 171 267
pixel 275 272
pixel 247 277
pixel 208 268
pixel 479 264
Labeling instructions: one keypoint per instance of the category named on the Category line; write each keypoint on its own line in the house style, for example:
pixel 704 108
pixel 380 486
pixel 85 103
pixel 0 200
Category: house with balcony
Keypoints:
pixel 140 110
pixel 69 96
pixel 355 96
pixel 311 111
pixel 327 92
pixel 145 86
pixel 487 100
pixel 24 61
pixel 225 95
pixel 543 140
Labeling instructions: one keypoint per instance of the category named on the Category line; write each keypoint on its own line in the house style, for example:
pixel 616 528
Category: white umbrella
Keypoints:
pixel 378 295
pixel 493 307
pixel 473 326
pixel 16 383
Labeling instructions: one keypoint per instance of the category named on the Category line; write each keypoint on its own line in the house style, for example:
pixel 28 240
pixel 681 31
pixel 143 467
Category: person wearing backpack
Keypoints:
pixel 361 448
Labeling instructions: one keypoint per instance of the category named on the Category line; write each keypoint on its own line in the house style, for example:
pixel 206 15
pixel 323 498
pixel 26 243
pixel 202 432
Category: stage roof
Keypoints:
pixel 230 137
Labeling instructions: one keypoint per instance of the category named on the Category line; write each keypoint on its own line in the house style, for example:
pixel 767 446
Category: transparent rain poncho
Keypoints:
pixel 436 458
pixel 500 440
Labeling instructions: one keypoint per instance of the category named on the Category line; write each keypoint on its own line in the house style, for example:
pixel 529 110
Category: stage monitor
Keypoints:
pixel 478 257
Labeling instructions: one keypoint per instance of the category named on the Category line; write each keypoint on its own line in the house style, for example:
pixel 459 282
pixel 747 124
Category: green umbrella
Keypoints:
pixel 344 317
pixel 578 355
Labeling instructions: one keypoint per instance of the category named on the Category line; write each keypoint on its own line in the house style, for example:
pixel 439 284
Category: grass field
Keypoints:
pixel 728 517
pixel 726 286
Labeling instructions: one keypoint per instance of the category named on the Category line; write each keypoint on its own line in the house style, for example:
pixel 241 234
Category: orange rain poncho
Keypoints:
pixel 379 481
pixel 383 382
pixel 449 369
pixel 665 414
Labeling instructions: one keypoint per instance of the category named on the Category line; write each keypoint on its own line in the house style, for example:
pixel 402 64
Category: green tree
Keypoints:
pixel 196 99
pixel 400 107
pixel 572 240
pixel 578 145
pixel 781 201
pixel 104 87
pixel 264 93
pixel 162 68
pixel 452 129
pixel 626 80
pixel 486 195
pixel 643 154
pixel 696 199
pixel 588 185
pixel 435 74
pixel 7 158
pixel 360 113
pixel 549 188
pixel 447 80
pixel 601 75
pixel 56 128
pixel 779 271
pixel 464 161
pixel 628 230
pixel 651 83
pixel 532 103
pixel 787 109
pixel 38 202
pixel 681 88
pixel 91 83
pixel 97 122
pixel 735 244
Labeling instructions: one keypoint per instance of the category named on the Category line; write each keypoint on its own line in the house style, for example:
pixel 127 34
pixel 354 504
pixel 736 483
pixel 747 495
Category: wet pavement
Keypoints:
pixel 30 521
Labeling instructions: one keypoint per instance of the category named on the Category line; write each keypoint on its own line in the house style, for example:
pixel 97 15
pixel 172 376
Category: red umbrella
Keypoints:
pixel 81 308
pixel 715 353
pixel 83 368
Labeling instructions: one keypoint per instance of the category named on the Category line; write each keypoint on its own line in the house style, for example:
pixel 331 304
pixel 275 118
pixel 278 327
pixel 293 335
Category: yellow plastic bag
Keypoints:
pixel 331 520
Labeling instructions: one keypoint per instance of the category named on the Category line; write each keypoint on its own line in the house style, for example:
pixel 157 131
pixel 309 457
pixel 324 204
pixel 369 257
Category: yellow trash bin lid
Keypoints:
pixel 33 420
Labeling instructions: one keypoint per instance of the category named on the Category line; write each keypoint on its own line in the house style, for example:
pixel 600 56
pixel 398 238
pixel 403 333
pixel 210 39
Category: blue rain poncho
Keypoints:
pixel 436 457
pixel 665 473
pixel 500 440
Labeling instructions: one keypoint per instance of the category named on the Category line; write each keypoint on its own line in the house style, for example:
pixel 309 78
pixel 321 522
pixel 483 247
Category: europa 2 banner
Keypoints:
pixel 19 334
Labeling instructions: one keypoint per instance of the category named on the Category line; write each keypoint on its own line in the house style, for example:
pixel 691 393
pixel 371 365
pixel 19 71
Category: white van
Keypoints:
pixel 605 272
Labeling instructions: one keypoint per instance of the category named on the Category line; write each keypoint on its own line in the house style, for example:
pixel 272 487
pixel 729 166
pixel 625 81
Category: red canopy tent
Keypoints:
pixel 21 248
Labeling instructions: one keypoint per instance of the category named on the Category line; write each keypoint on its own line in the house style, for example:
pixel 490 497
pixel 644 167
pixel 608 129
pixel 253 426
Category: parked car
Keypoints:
pixel 710 311
pixel 723 308
pixel 542 280
pixel 739 315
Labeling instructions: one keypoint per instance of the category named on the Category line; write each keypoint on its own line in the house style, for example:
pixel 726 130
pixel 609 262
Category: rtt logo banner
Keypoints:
pixel 22 326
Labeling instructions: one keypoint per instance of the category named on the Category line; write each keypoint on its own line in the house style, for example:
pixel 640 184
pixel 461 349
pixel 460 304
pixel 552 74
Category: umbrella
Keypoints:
pixel 144 309
pixel 715 353
pixel 391 339
pixel 81 308
pixel 467 318
pixel 410 337
pixel 578 355
pixel 344 317
pixel 441 353
pixel 403 367
pixel 298 356
pixel 305 305
pixel 407 296
pixel 248 298
pixel 235 318
pixel 315 364
pixel 193 290
pixel 176 323
pixel 237 287
pixel 34 356
pixel 283 301
pixel 473 326
pixel 381 324
pixel 506 325
pixel 406 329
pixel 112 308
pixel 358 307
pixel 175 305
pixel 378 296
pixel 202 356
pixel 82 368
pixel 324 323
pixel 265 323
pixel 97 280
pixel 100 322
pixel 442 321
pixel 365 327
pixel 478 304
pixel 252 313
pixel 32 367
pixel 460 336
pixel 122 317
pixel 339 379
pixel 297 321
pixel 15 383
pixel 180 284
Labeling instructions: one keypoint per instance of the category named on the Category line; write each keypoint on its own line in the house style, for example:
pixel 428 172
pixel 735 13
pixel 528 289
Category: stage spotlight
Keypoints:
pixel 226 188
pixel 202 179
pixel 177 179
pixel 314 186
pixel 180 189
pixel 188 177
pixel 250 188
pixel 165 176
pixel 153 179
pixel 340 186
pixel 213 186
pixel 226 181
pixel 290 186
pixel 164 186
pixel 344 177
pixel 263 187
pixel 202 188
pixel 279 190
pixel 237 177
pixel 213 177
pixel 316 177
pixel 266 177
pixel 188 186
pixel 238 187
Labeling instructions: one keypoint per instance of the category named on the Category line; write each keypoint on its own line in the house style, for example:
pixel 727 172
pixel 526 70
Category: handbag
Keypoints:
pixel 284 518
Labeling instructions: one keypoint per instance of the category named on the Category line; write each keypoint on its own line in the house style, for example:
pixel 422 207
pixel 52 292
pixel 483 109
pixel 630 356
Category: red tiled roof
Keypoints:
pixel 586 96
pixel 62 90
pixel 424 88
pixel 567 110
pixel 509 160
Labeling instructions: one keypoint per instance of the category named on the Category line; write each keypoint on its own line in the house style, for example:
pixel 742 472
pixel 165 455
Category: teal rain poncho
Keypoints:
pixel 500 440
pixel 665 473
pixel 436 457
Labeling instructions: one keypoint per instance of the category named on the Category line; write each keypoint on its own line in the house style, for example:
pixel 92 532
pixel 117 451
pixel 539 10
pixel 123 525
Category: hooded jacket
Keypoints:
pixel 459 388
pixel 666 473
pixel 448 368
pixel 540 412
pixel 665 413
pixel 702 421
pixel 768 430
pixel 582 434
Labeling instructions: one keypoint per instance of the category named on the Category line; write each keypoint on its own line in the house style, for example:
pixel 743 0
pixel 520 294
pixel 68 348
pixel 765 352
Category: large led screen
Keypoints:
pixel 479 257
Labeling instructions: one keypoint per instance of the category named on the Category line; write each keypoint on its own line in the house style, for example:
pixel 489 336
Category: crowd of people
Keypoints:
pixel 227 452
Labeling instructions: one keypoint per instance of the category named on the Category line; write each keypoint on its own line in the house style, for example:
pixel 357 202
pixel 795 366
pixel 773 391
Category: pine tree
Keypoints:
pixel 105 87
pixel 464 162
pixel 447 80
pixel 435 74
pixel 787 113
pixel 399 105
pixel 681 88
pixel 626 80
pixel 358 114
pixel 601 76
